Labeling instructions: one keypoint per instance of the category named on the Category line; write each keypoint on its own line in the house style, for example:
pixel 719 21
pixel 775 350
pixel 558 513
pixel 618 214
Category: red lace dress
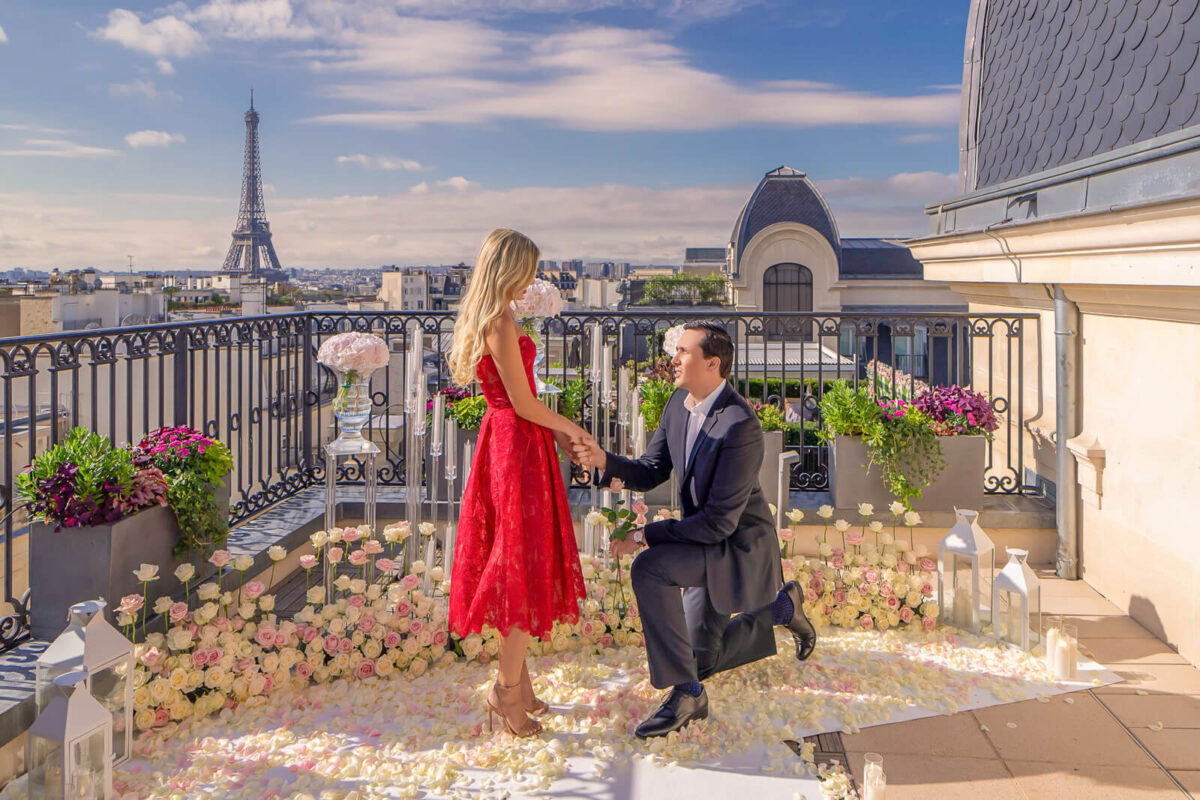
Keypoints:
pixel 515 563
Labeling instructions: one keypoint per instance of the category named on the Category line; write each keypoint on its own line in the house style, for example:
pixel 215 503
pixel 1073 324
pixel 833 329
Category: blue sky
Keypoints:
pixel 400 132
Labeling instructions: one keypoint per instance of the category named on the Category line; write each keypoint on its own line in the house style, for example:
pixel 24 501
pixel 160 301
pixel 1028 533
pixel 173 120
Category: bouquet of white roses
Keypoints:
pixel 540 300
pixel 671 339
pixel 354 353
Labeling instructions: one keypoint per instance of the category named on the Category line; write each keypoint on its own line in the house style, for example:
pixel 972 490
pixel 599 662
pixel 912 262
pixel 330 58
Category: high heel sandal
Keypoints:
pixel 532 704
pixel 505 701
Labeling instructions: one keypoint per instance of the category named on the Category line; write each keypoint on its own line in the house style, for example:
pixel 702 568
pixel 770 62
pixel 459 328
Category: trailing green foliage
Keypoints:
pixel 468 412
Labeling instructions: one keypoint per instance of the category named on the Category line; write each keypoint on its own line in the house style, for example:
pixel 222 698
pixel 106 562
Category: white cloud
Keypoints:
pixel 458 183
pixel 16 126
pixel 59 148
pixel 600 79
pixel 143 88
pixel 141 139
pixel 625 222
pixel 401 69
pixel 3 36
pixel 161 37
pixel 921 138
pixel 165 67
pixel 383 162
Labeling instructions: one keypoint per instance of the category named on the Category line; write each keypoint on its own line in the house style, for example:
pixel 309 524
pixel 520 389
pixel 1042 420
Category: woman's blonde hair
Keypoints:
pixel 507 265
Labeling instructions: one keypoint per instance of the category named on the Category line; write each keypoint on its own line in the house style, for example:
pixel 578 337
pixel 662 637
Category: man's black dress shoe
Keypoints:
pixel 677 710
pixel 803 633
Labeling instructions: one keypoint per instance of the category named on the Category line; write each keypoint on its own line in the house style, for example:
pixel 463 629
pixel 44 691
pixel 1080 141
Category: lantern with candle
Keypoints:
pixel 90 643
pixel 964 554
pixel 1016 592
pixel 70 744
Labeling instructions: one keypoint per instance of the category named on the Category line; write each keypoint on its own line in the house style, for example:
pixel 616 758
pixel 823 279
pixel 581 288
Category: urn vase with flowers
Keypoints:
pixel 540 301
pixel 353 357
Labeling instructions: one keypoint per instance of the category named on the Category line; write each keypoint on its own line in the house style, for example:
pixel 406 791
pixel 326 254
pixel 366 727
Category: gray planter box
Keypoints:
pixel 960 484
pixel 76 564
pixel 768 473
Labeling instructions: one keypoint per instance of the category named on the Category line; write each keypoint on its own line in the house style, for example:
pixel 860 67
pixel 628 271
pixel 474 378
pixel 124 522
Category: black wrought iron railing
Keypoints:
pixel 255 384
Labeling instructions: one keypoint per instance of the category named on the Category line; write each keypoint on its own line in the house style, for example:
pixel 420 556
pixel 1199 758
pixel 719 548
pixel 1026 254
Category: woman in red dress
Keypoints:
pixel 516 566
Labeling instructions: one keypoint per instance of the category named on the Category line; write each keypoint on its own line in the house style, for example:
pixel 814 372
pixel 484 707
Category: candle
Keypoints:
pixel 450 454
pixel 1051 647
pixel 439 424
pixel 623 395
pixel 606 375
pixel 587 536
pixel 596 350
pixel 1066 652
pixel 468 451
pixel 1014 620
pixel 876 790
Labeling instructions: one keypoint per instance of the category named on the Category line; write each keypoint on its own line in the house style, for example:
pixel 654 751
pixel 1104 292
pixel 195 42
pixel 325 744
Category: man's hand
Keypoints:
pixel 626 547
pixel 589 453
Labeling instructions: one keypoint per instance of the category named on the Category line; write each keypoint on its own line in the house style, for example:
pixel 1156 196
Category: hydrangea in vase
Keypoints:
pixel 540 301
pixel 353 357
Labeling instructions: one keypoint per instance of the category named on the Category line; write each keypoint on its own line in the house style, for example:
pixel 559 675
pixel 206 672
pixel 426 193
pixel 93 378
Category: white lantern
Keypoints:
pixel 965 552
pixel 1015 592
pixel 92 644
pixel 70 745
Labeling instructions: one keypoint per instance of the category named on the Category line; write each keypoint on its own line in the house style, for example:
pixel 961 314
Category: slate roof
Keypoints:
pixel 1064 80
pixel 784 195
pixel 878 258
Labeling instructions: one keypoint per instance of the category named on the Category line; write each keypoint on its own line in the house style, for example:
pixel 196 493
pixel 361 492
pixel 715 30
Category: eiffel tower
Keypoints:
pixel 251 252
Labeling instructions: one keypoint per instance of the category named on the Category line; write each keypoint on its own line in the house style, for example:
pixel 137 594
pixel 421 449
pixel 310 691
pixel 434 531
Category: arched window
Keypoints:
pixel 787 287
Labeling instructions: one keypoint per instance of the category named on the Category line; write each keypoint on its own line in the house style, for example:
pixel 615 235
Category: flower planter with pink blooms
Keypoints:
pixel 101 511
pixel 929 452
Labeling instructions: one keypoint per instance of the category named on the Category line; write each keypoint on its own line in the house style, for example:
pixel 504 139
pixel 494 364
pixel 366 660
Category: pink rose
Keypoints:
pixel 440 637
pixel 839 596
pixel 639 507
pixel 902 567
pixel 816 584
pixel 215 654
pixel 265 637
pixel 866 621
pixel 310 634
pixel 130 604
pixel 372 547
pixel 416 626
pixel 366 624
pixel 838 562
pixel 358 558
pixel 928 622
pixel 304 669
pixel 222 624
pixel 871 575
pixel 335 554
pixel 244 664
pixel 893 602
pixel 199 659
pixel 906 615
pixel 253 590
pixel 351 535
pixel 161 717
pixel 365 668
pixel 928 564
pixel 786 534
pixel 345 645
pixel 927 590
pixel 606 640
pixel 885 588
pixel 385 564
pixel 219 558
pixel 810 596
pixel 268 684
pixel 410 582
pixel 281 639
pixel 331 643
pixel 308 562
pixel 178 611
pixel 404 608
pixel 392 639
pixel 151 657
pixel 356 601
pixel 237 623
pixel 854 537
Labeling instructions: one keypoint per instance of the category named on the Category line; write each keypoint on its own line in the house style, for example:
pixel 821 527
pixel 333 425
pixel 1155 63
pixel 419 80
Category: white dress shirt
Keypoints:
pixel 696 421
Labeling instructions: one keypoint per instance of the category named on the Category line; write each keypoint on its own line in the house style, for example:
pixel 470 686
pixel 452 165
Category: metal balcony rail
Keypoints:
pixel 255 384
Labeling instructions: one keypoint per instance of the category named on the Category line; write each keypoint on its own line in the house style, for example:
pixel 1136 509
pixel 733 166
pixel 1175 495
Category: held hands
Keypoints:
pixel 588 453
pixel 576 445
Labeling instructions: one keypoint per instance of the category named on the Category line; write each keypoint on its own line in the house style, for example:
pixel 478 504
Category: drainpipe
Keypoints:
pixel 1066 416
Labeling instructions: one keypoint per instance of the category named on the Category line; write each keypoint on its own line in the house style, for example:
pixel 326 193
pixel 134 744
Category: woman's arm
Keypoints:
pixel 504 346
